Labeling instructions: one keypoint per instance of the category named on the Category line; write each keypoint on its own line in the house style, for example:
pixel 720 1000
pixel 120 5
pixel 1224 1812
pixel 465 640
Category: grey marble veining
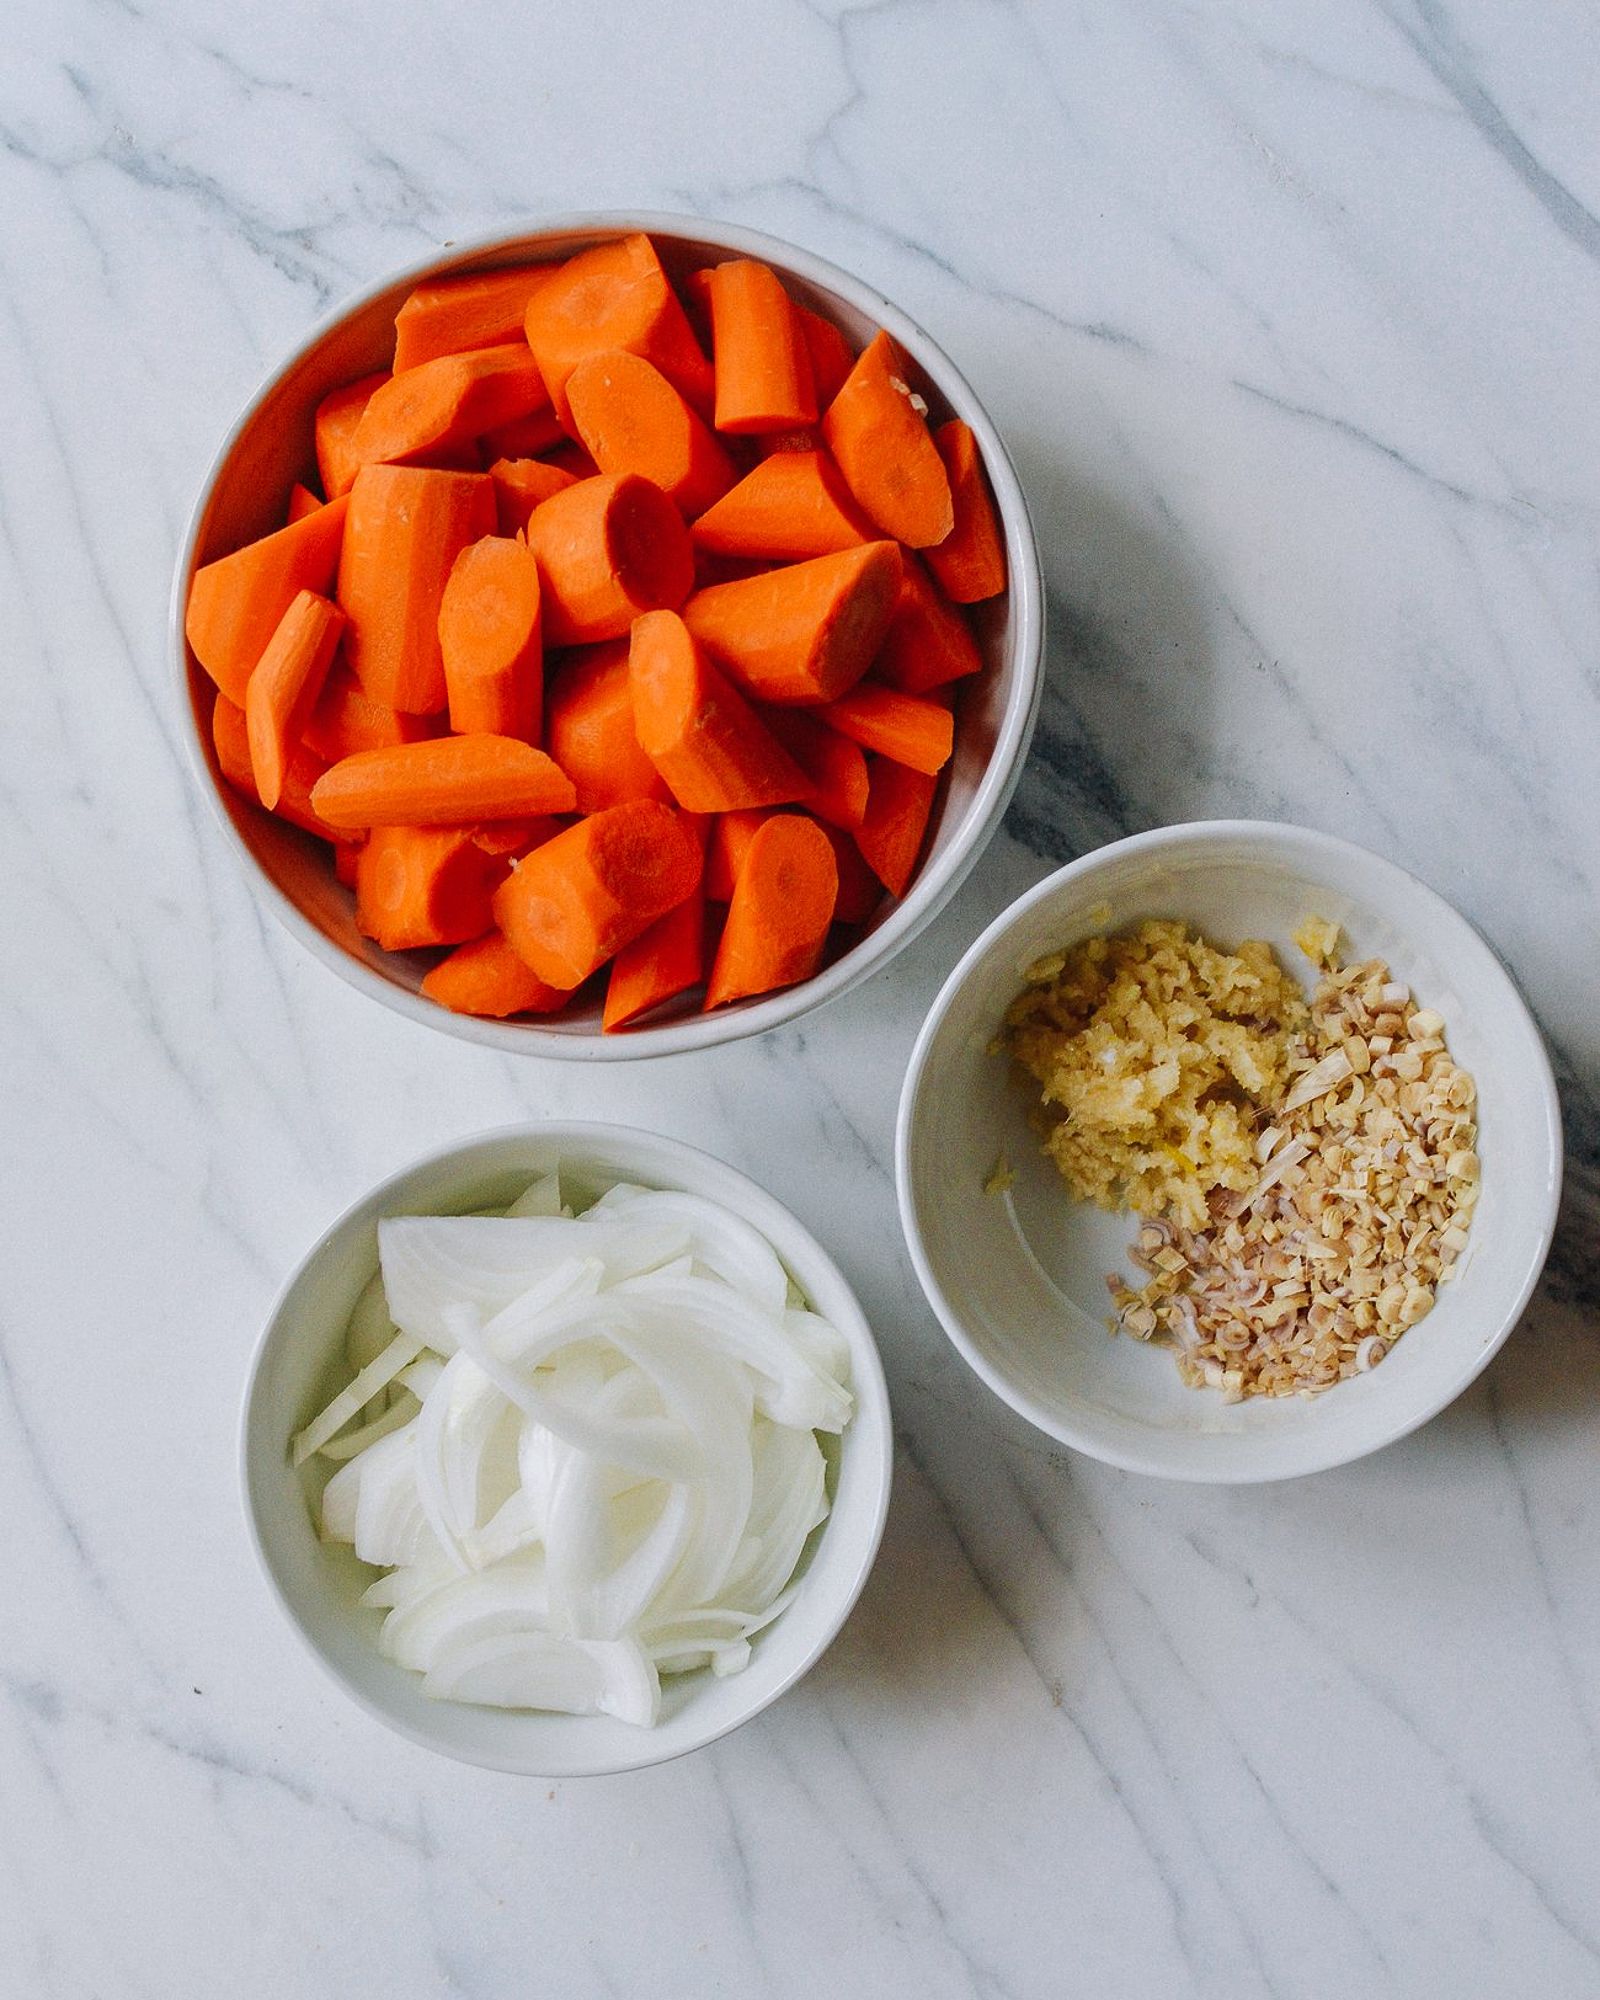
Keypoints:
pixel 1289 315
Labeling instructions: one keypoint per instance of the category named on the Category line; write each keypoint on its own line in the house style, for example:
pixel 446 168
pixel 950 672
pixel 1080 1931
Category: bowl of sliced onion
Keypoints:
pixel 566 1450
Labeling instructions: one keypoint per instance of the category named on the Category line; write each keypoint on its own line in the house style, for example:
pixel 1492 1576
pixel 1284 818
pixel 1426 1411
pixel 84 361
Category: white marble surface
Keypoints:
pixel 1290 314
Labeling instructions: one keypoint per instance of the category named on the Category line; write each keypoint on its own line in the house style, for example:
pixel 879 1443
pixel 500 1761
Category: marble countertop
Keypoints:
pixel 1289 315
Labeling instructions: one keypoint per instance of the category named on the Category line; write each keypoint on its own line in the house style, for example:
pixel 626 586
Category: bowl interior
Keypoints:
pixel 1019 1278
pixel 273 446
pixel 299 1365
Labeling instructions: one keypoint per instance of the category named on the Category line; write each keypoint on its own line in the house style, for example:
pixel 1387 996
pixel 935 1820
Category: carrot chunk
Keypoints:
pixel 608 549
pixel 615 295
pixel 860 891
pixel 490 640
pixel 576 901
pixel 804 633
pixel 731 835
pixel 783 903
pixel 407 525
pixel 830 354
pixel 929 643
pixel 890 837
pixel 451 781
pixel 662 962
pixel 345 720
pixel 791 506
pixel 230 737
pixel 629 418
pixel 701 734
pixel 524 437
pixel 422 885
pixel 302 501
pixel 451 315
pixel 441 403
pixel 886 452
pixel 285 685
pixel 520 485
pixel 506 838
pixel 763 365
pixel 589 729
pixel 835 768
pixel 235 603
pixel 338 415
pixel 486 977
pixel 907 727
pixel 970 562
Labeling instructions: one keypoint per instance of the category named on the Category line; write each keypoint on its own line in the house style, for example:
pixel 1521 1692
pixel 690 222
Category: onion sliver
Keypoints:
pixel 377 1374
pixel 725 1244
pixel 540 1197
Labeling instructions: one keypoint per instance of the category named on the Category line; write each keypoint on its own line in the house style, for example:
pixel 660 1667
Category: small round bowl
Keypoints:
pixel 271 445
pixel 1019 1279
pixel 298 1364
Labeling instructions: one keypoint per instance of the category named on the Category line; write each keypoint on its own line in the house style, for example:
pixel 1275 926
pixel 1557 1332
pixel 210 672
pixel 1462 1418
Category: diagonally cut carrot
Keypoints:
pixel 928 643
pixel 830 354
pixel 451 315
pixel 302 501
pixel 235 603
pixel 629 418
pixel 886 452
pixel 662 962
pixel 608 548
pixel 890 837
pixel 491 641
pixel 615 295
pixel 731 835
pixel 346 719
pixel 440 403
pixel 782 905
pixel 791 506
pixel 574 902
pixel 907 727
pixel 338 415
pixel 422 885
pixel 970 562
pixel 285 685
pixel 520 485
pixel 835 768
pixel 803 633
pixel 451 781
pixel 230 737
pixel 701 734
pixel 406 527
pixel 763 364
pixel 860 891
pixel 486 977
pixel 589 729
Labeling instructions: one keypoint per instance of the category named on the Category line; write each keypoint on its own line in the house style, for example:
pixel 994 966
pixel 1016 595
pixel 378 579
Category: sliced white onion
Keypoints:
pixel 537 1670
pixel 540 1197
pixel 725 1244
pixel 377 1375
pixel 349 1444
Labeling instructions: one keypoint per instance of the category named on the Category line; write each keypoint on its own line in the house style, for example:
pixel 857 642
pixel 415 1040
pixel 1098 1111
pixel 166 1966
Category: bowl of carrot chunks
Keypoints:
pixel 611 639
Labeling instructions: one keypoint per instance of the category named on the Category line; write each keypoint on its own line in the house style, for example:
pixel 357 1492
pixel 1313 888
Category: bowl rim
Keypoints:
pixel 937 883
pixel 869 1386
pixel 1309 842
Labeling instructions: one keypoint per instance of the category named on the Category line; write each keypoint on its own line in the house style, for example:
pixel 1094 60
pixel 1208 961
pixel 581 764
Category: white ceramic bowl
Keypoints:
pixel 1019 1282
pixel 298 1364
pixel 271 445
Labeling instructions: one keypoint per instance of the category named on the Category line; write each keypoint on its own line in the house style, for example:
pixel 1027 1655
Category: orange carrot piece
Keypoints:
pixel 486 977
pixel 590 733
pixel 791 506
pixel 507 838
pixel 490 639
pixel 451 315
pixel 890 837
pixel 346 859
pixel 701 734
pixel 230 736
pixel 831 355
pixel 731 835
pixel 285 685
pixel 615 295
pixel 970 562
pixel 782 905
pixel 907 727
pixel 804 633
pixel 860 891
pixel 662 962
pixel 763 365
pixel 441 403
pixel 629 418
pixel 576 901
pixel 235 603
pixel 407 526
pixel 929 643
pixel 886 451
pixel 422 885
pixel 338 415
pixel 608 549
pixel 520 485
pixel 835 768
pixel 451 781
pixel 302 501
pixel 525 437
pixel 345 720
